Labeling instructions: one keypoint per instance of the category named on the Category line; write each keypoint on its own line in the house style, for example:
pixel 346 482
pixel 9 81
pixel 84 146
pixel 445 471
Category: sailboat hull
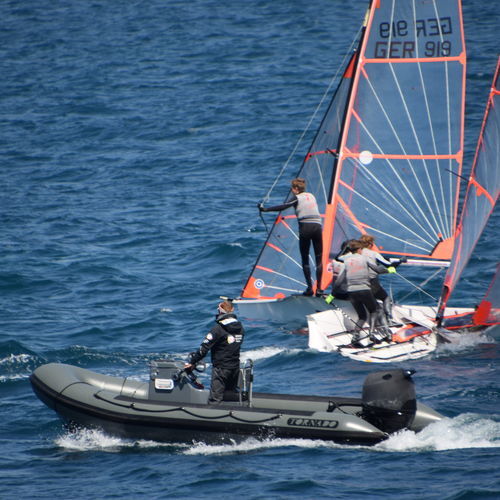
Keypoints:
pixel 291 310
pixel 415 336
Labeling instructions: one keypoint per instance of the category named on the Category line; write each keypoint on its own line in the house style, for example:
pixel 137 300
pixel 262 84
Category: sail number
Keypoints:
pixel 422 28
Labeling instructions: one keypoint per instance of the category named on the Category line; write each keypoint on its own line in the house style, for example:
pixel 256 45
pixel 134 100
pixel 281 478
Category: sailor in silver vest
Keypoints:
pixel 356 276
pixel 368 242
pixel 310 230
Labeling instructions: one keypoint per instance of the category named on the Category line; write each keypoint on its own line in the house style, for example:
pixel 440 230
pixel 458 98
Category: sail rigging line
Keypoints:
pixel 419 146
pixel 410 165
pixel 423 283
pixel 320 173
pixel 318 107
pixel 431 128
pixel 417 287
pixel 445 225
pixel 391 165
pixel 480 189
pixel 264 222
pixel 448 108
pixel 396 173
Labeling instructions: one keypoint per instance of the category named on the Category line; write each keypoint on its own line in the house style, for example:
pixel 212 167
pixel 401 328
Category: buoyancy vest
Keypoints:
pixel 307 209
pixel 356 272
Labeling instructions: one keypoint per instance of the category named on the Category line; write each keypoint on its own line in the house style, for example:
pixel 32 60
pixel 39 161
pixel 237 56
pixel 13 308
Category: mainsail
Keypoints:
pixel 481 196
pixel 387 158
pixel 401 153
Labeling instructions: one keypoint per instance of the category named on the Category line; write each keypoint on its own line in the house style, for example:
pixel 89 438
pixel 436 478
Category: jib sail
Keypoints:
pixel 278 271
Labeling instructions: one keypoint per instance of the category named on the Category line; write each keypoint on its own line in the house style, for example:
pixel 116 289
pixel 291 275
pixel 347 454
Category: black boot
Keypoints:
pixel 387 305
pixel 372 319
pixel 355 341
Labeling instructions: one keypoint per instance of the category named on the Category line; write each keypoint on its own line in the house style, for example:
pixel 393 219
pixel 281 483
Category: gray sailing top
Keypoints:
pixel 375 258
pixel 305 205
pixel 307 208
pixel 356 272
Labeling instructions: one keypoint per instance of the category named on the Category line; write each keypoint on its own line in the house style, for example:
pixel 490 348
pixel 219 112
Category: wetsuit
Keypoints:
pixel 379 293
pixel 310 231
pixel 224 342
pixel 357 278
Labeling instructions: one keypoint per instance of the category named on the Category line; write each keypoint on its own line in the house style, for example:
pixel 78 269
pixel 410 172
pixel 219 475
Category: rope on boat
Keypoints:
pixel 205 417
pixel 239 419
pixel 180 408
pixel 420 285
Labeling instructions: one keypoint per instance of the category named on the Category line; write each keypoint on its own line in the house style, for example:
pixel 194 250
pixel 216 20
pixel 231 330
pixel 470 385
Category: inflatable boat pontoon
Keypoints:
pixel 172 406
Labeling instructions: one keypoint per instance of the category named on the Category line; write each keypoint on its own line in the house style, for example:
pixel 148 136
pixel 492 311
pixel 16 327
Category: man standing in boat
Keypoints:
pixel 310 230
pixel 224 342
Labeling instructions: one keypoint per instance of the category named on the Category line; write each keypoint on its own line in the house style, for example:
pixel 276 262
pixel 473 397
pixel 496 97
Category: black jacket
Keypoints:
pixel 224 341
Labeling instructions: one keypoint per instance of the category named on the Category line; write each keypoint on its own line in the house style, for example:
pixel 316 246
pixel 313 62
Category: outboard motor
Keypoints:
pixel 389 399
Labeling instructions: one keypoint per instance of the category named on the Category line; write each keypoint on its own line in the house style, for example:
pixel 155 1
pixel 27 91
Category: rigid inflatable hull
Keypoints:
pixel 125 408
pixel 158 421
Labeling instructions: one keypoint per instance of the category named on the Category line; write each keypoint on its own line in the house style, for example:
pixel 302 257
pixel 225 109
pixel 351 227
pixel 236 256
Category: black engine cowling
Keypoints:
pixel 389 399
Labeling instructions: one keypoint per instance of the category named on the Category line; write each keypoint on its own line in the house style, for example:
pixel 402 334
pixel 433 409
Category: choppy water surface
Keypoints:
pixel 136 139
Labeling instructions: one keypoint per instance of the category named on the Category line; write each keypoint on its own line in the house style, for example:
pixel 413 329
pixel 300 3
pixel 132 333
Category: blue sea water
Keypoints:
pixel 136 139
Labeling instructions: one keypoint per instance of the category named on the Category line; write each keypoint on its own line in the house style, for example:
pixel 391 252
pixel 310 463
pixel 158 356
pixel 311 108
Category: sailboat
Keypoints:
pixel 482 194
pixel 327 331
pixel 386 159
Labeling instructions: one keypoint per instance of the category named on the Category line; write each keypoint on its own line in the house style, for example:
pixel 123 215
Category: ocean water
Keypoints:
pixel 136 139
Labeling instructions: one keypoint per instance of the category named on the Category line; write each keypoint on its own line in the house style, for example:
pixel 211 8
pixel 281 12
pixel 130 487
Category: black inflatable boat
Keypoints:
pixel 172 406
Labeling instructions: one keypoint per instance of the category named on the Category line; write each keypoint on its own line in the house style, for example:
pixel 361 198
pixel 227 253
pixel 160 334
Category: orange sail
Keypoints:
pixel 387 157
